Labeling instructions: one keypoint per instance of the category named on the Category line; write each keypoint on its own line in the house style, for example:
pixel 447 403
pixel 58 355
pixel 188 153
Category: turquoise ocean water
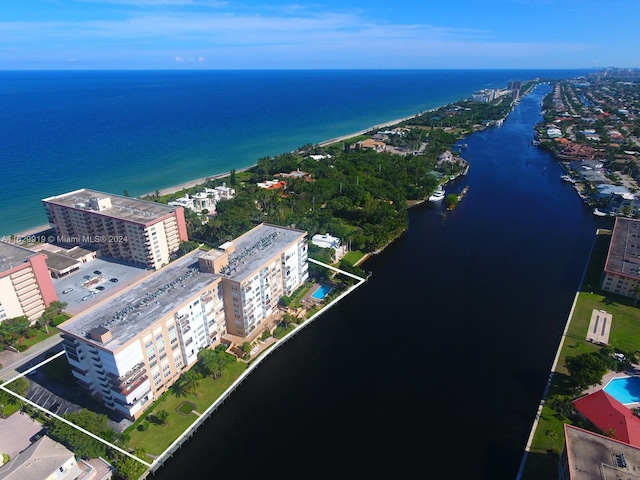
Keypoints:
pixel 148 130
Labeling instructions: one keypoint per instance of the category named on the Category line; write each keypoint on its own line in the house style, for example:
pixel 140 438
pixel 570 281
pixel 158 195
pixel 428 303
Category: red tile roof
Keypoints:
pixel 609 415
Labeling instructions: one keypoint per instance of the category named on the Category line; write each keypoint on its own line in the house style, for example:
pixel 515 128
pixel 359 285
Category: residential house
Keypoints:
pixel 44 459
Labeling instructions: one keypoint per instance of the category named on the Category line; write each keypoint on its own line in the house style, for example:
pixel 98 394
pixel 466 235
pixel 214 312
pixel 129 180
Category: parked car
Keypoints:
pixel 87 277
pixel 113 280
pixel 85 298
pixel 67 290
pixel 100 287
pixel 97 272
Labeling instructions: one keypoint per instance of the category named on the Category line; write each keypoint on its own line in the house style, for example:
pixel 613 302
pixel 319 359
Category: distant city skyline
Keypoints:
pixel 276 34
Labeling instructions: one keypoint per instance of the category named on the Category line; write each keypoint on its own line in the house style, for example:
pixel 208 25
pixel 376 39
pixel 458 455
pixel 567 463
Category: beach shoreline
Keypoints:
pixel 202 180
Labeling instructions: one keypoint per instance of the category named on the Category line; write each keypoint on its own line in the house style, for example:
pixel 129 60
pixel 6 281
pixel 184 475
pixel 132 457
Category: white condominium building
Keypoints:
pixel 128 350
pixel 139 231
pixel 258 268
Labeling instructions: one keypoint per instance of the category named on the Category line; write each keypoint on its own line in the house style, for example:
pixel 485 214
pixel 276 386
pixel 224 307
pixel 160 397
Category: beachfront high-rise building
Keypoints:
pixel 127 351
pixel 25 283
pixel 258 268
pixel 622 268
pixel 125 228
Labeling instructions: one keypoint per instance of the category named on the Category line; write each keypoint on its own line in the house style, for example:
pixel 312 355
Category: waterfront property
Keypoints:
pixel 125 228
pixel 258 268
pixel 622 267
pixel 588 455
pixel 625 390
pixel 25 284
pixel 126 353
pixel 609 416
pixel 321 292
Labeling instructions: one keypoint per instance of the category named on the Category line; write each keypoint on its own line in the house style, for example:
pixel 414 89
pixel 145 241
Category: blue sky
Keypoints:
pixel 275 34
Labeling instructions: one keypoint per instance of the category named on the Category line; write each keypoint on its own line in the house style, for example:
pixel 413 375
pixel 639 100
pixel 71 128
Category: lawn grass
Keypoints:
pixel 542 460
pixel 353 257
pixel 39 336
pixel 157 438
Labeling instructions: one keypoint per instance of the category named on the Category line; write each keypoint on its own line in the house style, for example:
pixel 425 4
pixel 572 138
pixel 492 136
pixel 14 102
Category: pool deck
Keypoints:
pixel 630 372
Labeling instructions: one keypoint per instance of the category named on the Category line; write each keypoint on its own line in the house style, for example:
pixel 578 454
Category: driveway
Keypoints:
pixel 16 432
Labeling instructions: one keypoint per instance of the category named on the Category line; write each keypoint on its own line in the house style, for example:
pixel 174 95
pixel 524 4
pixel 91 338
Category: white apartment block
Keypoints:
pixel 126 351
pixel 258 268
pixel 125 228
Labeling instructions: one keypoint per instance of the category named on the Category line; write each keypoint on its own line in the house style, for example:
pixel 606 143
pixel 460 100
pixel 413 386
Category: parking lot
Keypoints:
pixel 49 400
pixel 95 280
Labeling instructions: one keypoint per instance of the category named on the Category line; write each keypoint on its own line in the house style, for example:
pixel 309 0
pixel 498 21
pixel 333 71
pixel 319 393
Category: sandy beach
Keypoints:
pixel 362 132
pixel 202 180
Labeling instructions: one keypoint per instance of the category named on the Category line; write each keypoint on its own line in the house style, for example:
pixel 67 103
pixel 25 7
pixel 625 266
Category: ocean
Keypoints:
pixel 141 131
pixel 438 362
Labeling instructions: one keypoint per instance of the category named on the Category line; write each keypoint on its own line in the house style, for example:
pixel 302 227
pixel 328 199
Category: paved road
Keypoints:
pixel 12 362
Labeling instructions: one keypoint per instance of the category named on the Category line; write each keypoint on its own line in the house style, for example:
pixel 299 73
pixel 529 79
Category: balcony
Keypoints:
pixel 131 387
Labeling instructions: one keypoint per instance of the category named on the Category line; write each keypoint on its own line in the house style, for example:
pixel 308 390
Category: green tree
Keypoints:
pixel 11 329
pixel 563 404
pixel 162 416
pixel 190 381
pixel 80 443
pixel 451 200
pixel 586 369
pixel 19 386
pixel 635 290
pixel 213 362
pixel 127 468
pixel 552 436
pixel 246 349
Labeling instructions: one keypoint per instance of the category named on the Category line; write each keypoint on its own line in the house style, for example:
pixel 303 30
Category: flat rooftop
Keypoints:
pixel 123 208
pixel 135 309
pixel 596 457
pixel 13 255
pixel 624 251
pixel 256 247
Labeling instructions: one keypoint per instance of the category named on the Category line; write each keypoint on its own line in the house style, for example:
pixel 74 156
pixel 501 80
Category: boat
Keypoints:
pixel 437 195
pixel 567 178
pixel 598 213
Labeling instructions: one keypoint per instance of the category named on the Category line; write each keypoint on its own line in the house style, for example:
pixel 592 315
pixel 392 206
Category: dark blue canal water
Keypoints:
pixel 438 363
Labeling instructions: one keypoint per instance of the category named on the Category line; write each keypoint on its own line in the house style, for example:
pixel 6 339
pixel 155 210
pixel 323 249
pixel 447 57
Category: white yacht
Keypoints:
pixel 437 195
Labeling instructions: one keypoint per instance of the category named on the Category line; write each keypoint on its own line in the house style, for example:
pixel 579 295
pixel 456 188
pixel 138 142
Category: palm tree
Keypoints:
pixel 636 293
pixel 190 381
pixel 552 436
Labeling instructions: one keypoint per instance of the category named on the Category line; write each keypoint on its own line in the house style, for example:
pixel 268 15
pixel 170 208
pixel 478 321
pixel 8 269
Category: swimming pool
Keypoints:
pixel 624 389
pixel 321 292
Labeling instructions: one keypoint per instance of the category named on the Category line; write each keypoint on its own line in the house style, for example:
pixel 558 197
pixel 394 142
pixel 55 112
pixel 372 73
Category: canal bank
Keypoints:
pixel 549 383
pixel 459 312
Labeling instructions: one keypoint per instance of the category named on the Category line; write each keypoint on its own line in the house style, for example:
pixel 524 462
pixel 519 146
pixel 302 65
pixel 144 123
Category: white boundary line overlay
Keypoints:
pixel 205 415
